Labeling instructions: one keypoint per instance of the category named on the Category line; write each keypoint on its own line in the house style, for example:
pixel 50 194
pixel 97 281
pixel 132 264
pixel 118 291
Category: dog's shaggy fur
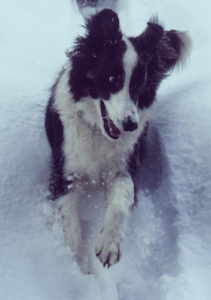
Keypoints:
pixel 97 118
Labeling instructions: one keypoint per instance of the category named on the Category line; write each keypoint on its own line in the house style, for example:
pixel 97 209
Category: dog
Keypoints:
pixel 97 121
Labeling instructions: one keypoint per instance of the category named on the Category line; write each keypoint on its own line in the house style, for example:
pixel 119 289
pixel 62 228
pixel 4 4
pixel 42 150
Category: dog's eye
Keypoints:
pixel 115 82
pixel 112 79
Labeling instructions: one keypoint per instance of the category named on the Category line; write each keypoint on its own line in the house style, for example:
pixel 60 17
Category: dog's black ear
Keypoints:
pixel 167 48
pixel 104 25
pixel 174 49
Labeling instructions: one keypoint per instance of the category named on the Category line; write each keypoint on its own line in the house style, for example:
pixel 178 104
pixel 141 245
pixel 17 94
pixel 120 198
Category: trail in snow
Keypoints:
pixel 168 244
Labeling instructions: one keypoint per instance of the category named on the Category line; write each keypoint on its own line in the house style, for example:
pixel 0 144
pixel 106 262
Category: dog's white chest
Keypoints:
pixel 88 152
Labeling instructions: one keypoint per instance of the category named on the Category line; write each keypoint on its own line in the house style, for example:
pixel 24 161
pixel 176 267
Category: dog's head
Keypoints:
pixel 119 74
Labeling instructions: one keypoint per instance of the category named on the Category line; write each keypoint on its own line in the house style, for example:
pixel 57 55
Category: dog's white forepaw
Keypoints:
pixel 109 248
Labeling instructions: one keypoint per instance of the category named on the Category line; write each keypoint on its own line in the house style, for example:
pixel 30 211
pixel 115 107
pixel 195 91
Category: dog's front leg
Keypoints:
pixel 67 209
pixel 120 198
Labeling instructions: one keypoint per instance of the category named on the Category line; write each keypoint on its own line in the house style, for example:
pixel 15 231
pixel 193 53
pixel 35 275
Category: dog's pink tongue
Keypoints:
pixel 113 129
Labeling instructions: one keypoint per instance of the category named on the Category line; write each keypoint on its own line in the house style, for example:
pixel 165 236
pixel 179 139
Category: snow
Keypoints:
pixel 168 241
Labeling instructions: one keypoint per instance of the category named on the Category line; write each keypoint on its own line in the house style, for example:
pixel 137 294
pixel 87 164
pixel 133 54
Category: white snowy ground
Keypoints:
pixel 168 245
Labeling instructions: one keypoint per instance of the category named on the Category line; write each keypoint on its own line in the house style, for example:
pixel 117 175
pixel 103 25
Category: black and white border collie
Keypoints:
pixel 97 113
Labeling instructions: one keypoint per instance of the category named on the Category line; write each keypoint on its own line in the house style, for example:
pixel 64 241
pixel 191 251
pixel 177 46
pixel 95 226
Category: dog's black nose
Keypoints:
pixel 129 124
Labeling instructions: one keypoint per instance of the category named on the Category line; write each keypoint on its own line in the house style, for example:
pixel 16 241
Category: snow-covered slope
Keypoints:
pixel 168 245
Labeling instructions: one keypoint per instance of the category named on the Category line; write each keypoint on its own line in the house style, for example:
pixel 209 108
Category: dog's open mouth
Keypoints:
pixel 109 126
